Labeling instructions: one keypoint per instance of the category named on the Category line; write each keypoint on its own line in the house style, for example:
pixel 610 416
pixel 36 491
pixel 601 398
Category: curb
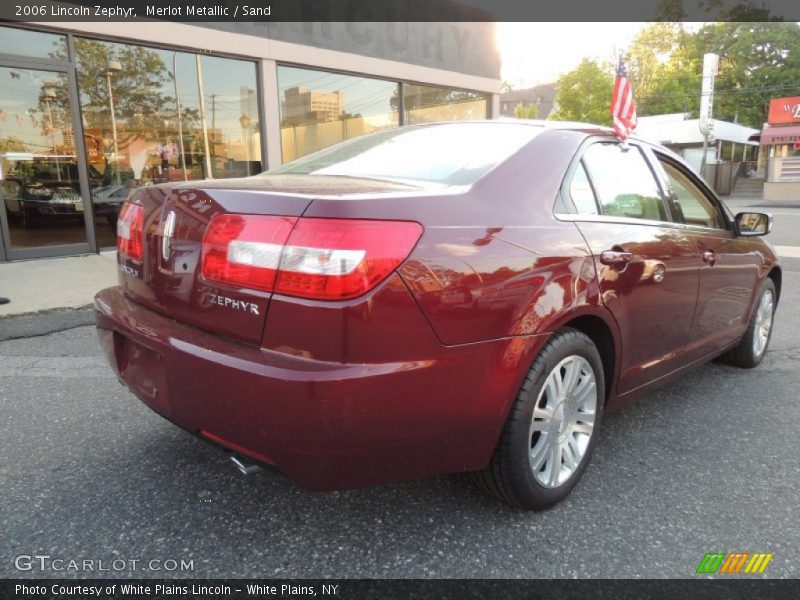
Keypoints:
pixel 41 323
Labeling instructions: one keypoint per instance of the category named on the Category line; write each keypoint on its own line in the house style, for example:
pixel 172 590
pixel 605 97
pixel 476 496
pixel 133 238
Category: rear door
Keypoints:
pixel 729 267
pixel 647 266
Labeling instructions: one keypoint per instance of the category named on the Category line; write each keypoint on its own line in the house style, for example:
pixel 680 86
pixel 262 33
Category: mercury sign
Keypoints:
pixel 784 110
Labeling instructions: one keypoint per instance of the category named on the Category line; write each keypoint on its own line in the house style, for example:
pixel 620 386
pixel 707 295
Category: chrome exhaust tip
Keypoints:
pixel 245 466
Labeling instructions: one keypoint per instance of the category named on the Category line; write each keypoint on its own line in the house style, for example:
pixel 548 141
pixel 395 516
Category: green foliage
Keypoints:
pixel 665 70
pixel 584 94
pixel 526 112
pixel 11 143
pixel 143 95
pixel 758 61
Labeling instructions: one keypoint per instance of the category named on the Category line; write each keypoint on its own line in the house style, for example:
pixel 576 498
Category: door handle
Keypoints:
pixel 710 257
pixel 615 257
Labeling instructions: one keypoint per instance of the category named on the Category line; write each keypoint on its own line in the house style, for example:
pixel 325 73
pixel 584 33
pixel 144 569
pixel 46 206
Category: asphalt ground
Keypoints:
pixel 709 463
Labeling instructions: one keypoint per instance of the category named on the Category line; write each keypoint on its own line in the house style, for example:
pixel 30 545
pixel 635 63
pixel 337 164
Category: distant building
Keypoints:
pixel 543 96
pixel 730 153
pixel 780 140
pixel 301 104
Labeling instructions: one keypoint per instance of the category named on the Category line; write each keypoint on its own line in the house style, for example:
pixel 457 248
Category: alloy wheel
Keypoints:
pixel 763 324
pixel 563 421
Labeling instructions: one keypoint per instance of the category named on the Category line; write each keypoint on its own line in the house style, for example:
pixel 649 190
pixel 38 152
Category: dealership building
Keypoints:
pixel 90 110
pixel 780 141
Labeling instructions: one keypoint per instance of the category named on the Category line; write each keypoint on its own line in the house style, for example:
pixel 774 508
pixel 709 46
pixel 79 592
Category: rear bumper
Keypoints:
pixel 325 425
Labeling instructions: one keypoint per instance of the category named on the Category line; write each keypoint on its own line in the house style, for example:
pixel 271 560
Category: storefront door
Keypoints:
pixel 45 204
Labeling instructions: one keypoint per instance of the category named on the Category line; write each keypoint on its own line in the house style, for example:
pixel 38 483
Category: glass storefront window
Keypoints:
pixel 34 44
pixel 319 109
pixel 39 179
pixel 427 104
pixel 152 115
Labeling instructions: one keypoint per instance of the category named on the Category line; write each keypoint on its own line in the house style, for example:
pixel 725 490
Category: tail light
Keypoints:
pixel 130 231
pixel 245 250
pixel 322 259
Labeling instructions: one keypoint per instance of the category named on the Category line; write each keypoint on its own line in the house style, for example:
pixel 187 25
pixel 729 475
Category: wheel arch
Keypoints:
pixel 602 330
pixel 776 274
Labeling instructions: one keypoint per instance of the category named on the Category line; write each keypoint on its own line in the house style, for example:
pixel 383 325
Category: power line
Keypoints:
pixel 727 92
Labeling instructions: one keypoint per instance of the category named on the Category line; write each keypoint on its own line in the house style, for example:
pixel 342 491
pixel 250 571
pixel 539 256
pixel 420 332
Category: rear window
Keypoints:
pixel 448 154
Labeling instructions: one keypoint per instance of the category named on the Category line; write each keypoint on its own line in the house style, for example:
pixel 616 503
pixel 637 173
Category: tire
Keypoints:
pixel 111 219
pixel 754 343
pixel 26 219
pixel 520 471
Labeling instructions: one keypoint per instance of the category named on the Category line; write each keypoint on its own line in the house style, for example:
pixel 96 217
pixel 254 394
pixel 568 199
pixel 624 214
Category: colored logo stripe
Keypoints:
pixel 711 562
pixel 758 564
pixel 732 563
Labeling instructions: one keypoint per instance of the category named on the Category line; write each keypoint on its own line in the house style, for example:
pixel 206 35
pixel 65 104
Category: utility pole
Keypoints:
pixel 180 116
pixel 201 93
pixel 710 71
pixel 213 113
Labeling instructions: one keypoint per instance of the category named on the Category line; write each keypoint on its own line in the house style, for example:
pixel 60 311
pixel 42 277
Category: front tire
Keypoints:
pixel 551 429
pixel 753 346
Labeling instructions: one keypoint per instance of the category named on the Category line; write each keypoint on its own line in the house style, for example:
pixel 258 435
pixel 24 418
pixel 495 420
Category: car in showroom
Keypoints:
pixel 42 187
pixel 442 298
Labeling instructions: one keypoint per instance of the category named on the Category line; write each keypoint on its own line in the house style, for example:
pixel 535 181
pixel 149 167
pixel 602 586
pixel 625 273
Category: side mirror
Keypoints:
pixel 753 223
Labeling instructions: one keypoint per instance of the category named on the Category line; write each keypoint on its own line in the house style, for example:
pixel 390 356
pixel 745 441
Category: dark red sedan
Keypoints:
pixel 433 299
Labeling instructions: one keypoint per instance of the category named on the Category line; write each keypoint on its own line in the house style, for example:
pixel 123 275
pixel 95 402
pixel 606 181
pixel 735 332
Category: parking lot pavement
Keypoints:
pixel 710 463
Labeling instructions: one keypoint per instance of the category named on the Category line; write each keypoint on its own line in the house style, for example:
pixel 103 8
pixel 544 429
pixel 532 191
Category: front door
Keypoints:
pixel 43 208
pixel 730 264
pixel 648 268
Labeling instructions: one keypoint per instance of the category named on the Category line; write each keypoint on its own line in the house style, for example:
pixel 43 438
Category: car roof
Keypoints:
pixel 587 128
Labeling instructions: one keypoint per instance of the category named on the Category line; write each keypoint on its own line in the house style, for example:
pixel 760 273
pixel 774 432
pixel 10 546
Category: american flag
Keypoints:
pixel 623 107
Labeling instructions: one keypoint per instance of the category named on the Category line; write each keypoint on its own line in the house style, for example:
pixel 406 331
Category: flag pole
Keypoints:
pixel 623 106
pixel 624 146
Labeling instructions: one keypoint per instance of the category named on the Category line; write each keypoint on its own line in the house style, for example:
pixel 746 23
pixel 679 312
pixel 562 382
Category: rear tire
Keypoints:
pixel 551 429
pixel 111 219
pixel 26 219
pixel 754 343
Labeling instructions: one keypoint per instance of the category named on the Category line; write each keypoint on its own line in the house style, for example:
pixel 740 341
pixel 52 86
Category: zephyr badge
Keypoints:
pixel 167 230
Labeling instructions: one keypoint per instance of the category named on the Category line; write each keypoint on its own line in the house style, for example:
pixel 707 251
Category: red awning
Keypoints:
pixel 789 134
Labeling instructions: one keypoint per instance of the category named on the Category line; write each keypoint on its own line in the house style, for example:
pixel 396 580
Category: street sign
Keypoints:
pixel 784 110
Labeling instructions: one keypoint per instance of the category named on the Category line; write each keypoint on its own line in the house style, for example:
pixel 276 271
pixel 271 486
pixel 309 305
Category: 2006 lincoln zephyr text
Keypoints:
pixel 433 299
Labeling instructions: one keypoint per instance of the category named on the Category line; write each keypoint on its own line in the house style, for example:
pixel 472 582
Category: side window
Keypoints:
pixel 581 193
pixel 690 202
pixel 624 183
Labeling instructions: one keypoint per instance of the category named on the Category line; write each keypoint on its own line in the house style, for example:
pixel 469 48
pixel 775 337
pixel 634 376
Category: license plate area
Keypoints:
pixel 142 369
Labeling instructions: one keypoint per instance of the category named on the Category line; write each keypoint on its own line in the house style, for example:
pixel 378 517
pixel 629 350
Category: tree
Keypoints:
pixel 13 144
pixel 665 70
pixel 584 94
pixel 758 61
pixel 140 101
pixel 531 111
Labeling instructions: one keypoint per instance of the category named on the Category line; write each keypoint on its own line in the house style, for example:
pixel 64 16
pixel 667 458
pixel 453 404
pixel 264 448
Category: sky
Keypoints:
pixel 534 53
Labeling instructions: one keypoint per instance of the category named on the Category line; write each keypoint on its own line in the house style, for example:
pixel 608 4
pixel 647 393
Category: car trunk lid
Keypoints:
pixel 169 278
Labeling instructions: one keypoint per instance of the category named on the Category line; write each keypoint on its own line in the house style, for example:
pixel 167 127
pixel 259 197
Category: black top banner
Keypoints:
pixel 401 10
